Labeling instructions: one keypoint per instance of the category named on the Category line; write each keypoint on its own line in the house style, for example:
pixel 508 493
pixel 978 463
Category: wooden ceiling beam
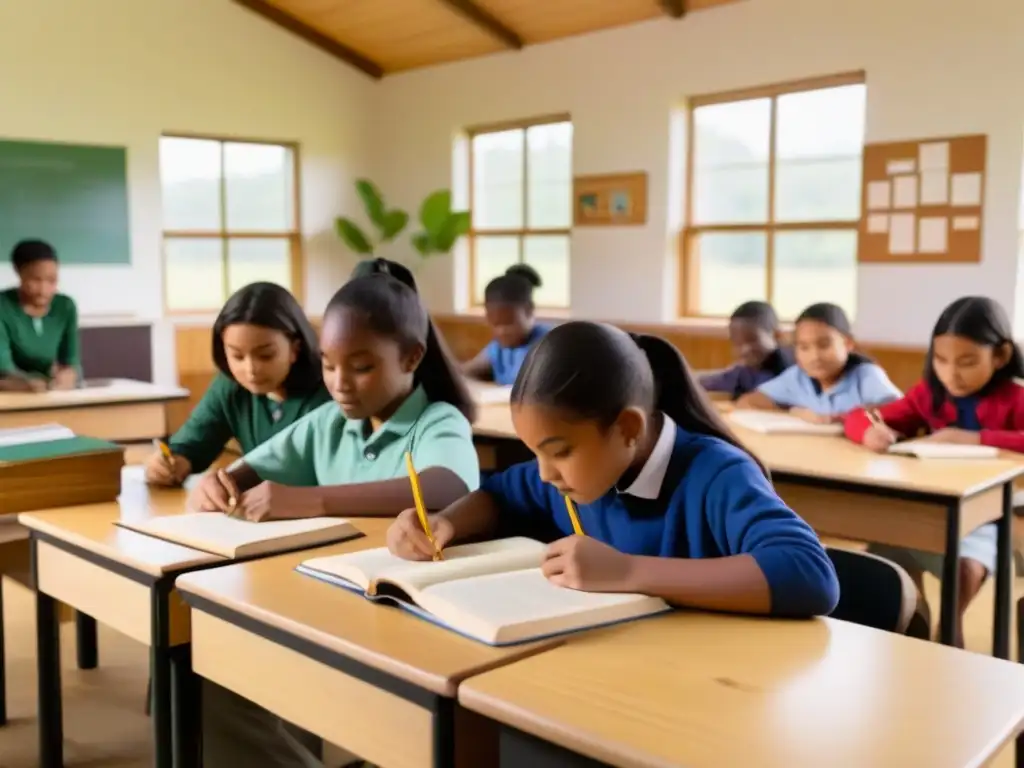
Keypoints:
pixel 487 22
pixel 314 37
pixel 674 8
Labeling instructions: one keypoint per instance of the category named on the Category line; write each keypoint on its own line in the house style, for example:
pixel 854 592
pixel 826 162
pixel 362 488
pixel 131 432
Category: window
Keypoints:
pixel 773 200
pixel 230 219
pixel 521 202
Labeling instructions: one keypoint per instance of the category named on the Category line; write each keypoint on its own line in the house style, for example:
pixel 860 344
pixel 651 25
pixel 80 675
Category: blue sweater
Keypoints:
pixel 714 502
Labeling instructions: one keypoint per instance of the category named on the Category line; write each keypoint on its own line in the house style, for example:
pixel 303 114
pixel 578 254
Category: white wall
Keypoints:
pixel 933 69
pixel 123 71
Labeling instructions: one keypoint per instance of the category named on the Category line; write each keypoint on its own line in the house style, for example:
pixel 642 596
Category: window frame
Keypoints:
pixel 689 268
pixel 520 233
pixel 296 259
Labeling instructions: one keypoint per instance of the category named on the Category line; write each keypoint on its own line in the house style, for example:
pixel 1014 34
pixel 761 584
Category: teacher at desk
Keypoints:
pixel 38 326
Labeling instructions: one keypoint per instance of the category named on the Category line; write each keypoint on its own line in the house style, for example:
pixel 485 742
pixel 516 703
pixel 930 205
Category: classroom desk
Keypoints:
pixel 695 690
pixel 373 679
pixel 125 580
pixel 117 409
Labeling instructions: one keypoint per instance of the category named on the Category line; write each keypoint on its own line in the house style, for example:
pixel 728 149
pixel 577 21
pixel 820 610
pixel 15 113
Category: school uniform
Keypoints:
pixel 506 361
pixel 696 497
pixel 997 413
pixel 228 410
pixel 33 345
pixel 737 380
pixel 861 383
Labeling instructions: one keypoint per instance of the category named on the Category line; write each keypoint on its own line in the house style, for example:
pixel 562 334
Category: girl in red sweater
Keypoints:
pixel 968 395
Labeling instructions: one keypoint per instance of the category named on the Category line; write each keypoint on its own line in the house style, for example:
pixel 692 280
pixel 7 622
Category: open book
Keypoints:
pixel 493 592
pixel 44 433
pixel 925 449
pixel 776 423
pixel 218 534
pixel 485 393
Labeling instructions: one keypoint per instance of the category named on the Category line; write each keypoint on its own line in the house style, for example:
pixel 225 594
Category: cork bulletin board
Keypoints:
pixel 618 199
pixel 922 201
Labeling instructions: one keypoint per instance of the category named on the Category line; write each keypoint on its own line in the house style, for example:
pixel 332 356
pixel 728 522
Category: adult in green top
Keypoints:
pixel 269 377
pixel 38 326
pixel 396 390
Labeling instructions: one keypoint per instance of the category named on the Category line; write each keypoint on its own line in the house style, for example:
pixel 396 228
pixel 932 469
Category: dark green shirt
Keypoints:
pixel 228 410
pixel 33 344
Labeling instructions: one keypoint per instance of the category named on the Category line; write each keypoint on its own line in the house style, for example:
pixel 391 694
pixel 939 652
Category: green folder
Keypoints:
pixel 56 449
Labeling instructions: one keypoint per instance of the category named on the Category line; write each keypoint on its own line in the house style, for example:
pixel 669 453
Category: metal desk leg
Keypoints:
pixel 85 640
pixel 949 616
pixel 1004 578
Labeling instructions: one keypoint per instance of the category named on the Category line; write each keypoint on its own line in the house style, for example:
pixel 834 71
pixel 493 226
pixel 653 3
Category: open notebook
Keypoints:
pixel 775 423
pixel 489 394
pixel 493 592
pixel 218 534
pixel 924 449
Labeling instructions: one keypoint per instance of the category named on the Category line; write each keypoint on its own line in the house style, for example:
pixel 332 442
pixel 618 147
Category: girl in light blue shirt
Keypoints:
pixel 829 379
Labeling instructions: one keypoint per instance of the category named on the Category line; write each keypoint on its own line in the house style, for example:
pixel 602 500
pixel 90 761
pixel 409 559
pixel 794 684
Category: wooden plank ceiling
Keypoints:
pixel 384 36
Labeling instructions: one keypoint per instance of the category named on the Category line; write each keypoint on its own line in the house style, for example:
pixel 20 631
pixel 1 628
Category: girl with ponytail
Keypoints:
pixel 395 389
pixel 670 503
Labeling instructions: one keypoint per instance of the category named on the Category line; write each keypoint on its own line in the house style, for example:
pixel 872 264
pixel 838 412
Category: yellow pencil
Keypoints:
pixel 576 527
pixel 421 509
pixel 161 446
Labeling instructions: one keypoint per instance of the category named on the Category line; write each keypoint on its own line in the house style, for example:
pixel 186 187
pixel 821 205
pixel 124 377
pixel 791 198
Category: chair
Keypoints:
pixel 878 593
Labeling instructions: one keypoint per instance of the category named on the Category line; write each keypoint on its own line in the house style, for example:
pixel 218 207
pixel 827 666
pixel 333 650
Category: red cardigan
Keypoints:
pixel 1000 413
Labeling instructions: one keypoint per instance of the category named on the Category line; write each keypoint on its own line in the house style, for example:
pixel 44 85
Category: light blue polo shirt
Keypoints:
pixel 506 361
pixel 863 384
pixel 325 448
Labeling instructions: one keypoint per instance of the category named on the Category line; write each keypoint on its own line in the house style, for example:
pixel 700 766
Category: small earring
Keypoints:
pixel 630 443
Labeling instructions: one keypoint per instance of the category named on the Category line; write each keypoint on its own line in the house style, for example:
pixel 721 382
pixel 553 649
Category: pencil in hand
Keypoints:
pixel 164 450
pixel 574 517
pixel 421 508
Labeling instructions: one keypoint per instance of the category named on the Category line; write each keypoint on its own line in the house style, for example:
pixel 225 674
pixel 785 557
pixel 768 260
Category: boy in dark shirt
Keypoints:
pixel 754 334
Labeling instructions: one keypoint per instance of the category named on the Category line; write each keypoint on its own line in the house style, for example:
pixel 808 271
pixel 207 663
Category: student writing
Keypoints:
pixel 508 305
pixel 268 362
pixel 968 395
pixel 671 504
pixel 395 389
pixel 38 325
pixel 754 335
pixel 830 378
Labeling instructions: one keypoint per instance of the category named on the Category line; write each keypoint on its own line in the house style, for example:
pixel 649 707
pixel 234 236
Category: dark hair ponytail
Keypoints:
pixel 515 287
pixel 384 293
pixel 595 371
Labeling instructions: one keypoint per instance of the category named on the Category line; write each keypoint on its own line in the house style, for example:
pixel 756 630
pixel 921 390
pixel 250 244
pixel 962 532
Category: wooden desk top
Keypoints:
pixel 386 638
pixel 116 392
pixel 699 690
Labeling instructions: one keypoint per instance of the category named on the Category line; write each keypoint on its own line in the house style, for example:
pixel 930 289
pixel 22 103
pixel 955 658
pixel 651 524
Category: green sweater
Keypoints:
pixel 228 410
pixel 32 345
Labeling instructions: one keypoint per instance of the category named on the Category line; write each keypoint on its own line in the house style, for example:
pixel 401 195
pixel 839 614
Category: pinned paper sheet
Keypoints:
pixel 904 192
pixel 931 234
pixel 966 189
pixel 901 233
pixel 934 157
pixel 965 223
pixel 894 167
pixel 878 195
pixel 878 223
pixel 934 188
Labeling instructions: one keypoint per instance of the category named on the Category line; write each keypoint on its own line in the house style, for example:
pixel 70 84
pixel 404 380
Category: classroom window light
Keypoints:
pixel 230 218
pixel 773 197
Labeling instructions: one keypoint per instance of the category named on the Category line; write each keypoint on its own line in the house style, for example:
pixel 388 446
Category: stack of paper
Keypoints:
pixel 776 423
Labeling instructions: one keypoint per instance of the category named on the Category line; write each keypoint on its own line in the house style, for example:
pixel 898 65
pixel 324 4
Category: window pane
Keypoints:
pixel 498 180
pixel 190 179
pixel 731 134
pixel 731 195
pixel 549 175
pixel 549 255
pixel 260 190
pixel 828 122
pixel 730 268
pixel 491 257
pixel 193 274
pixel 818 190
pixel 252 261
pixel 813 266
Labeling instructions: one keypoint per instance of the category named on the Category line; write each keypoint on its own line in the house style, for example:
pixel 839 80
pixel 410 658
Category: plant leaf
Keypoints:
pixel 435 210
pixel 455 226
pixel 352 235
pixel 372 200
pixel 392 223
pixel 422 242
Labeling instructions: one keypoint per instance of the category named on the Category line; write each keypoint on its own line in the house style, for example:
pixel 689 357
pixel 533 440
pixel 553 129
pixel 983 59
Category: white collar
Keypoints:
pixel 647 484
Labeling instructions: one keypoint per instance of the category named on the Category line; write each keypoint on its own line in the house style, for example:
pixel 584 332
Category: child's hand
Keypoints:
pixel 878 439
pixel 954 435
pixel 406 538
pixel 273 501
pixel 584 563
pixel 209 495
pixel 65 377
pixel 167 472
pixel 810 416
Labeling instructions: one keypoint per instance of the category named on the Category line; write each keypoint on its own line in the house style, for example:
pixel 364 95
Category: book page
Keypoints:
pixel 370 566
pixel 773 422
pixel 926 449
pixel 512 607
pixel 44 433
pixel 488 394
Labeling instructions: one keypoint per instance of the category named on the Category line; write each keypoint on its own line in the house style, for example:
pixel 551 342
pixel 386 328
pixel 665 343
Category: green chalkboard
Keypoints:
pixel 73 196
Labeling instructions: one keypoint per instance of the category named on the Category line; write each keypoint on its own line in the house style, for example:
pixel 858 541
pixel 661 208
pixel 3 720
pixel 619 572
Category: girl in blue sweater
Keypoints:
pixel 670 502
